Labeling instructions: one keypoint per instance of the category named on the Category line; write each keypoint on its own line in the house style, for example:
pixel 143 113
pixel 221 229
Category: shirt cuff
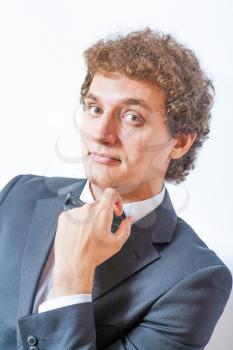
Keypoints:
pixel 56 303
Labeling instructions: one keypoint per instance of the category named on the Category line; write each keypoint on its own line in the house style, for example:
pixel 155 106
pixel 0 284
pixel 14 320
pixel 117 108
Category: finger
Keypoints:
pixel 112 199
pixel 124 230
pixel 118 208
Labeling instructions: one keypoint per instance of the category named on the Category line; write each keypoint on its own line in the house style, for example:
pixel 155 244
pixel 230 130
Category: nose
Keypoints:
pixel 105 129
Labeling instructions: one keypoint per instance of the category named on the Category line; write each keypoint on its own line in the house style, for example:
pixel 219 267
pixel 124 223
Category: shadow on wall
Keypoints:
pixel 222 336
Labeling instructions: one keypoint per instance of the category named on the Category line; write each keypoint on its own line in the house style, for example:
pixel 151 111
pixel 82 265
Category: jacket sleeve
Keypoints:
pixel 181 319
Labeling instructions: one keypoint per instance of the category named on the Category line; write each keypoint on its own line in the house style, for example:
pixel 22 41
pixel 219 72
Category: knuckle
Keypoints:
pixel 61 216
pixel 104 205
pixel 119 244
pixel 110 191
pixel 89 206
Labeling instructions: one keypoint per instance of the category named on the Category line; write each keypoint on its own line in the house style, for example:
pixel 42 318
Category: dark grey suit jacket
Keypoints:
pixel 164 290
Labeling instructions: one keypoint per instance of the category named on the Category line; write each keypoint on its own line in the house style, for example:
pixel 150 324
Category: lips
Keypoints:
pixel 104 155
pixel 104 158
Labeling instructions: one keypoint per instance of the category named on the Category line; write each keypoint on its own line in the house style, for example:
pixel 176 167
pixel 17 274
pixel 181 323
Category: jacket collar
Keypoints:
pixel 160 222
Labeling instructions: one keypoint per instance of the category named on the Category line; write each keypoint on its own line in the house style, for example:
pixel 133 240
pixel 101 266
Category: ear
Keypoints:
pixel 182 144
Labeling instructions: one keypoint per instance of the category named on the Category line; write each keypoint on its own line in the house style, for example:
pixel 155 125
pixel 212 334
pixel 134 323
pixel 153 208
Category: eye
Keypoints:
pixel 134 117
pixel 93 109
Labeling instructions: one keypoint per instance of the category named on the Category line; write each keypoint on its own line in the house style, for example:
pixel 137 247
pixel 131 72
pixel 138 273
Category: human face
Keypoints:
pixel 124 118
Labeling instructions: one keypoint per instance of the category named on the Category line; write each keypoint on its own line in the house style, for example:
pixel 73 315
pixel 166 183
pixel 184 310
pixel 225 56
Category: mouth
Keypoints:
pixel 103 158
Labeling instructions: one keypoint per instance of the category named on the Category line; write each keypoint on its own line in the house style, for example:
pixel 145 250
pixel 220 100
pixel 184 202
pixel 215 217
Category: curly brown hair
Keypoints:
pixel 158 57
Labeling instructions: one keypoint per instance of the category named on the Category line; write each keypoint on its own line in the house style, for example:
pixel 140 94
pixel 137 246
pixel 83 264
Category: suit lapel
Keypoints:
pixel 137 252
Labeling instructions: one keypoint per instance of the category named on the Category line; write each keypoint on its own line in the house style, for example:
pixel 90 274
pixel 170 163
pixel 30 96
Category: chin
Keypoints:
pixel 102 181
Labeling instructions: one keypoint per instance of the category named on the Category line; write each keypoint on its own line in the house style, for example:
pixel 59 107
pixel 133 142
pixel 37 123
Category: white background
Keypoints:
pixel 41 70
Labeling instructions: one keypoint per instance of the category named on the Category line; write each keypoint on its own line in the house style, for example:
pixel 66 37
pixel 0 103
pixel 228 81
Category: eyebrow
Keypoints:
pixel 128 101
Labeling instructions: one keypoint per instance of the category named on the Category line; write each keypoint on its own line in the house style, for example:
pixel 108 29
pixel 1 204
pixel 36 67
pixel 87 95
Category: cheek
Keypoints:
pixel 85 132
pixel 132 147
pixel 139 146
pixel 84 148
pixel 160 159
pixel 149 150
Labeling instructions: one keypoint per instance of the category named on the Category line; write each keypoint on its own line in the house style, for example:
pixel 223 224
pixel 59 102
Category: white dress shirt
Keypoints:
pixel 44 301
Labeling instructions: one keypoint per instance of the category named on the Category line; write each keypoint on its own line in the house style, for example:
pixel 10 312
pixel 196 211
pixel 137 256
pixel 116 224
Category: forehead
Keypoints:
pixel 113 87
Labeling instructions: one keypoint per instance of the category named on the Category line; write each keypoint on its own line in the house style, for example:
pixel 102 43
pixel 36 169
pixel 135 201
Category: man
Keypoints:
pixel 67 280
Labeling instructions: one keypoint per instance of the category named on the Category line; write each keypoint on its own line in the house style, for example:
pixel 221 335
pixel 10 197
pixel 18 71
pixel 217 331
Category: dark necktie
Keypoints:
pixel 72 201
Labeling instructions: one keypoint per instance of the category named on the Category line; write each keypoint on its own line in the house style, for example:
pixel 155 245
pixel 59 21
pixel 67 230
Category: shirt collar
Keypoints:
pixel 137 209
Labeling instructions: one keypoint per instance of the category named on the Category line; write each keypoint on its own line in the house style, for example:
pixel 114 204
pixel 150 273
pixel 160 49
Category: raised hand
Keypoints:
pixel 84 240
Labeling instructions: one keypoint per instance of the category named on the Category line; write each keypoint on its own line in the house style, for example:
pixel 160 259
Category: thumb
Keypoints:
pixel 124 229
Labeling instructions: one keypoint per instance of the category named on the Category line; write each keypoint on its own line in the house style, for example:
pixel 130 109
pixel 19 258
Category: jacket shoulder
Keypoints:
pixel 194 251
pixel 31 187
